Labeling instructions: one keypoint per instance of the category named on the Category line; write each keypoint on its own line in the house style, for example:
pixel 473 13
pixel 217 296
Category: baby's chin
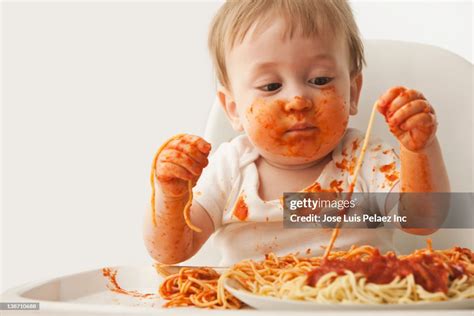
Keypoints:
pixel 296 151
pixel 293 161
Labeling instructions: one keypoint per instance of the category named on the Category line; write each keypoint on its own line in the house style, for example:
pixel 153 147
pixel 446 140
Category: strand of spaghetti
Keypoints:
pixel 429 244
pixel 360 159
pixel 335 233
pixel 363 149
pixel 187 207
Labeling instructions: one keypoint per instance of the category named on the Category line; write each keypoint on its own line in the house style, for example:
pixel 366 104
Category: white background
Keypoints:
pixel 90 90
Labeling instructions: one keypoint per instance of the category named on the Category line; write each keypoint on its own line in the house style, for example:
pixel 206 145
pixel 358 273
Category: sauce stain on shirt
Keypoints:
pixel 391 174
pixel 355 145
pixel 336 185
pixel 346 165
pixel 377 148
pixel 241 210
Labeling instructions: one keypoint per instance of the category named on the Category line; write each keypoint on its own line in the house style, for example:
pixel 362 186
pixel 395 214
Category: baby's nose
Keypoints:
pixel 298 104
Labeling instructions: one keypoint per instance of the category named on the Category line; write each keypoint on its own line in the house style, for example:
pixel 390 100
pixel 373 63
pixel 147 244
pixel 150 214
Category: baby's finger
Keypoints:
pixel 408 110
pixel 166 171
pixel 181 159
pixel 386 99
pixel 402 99
pixel 396 130
pixel 419 120
pixel 200 143
pixel 189 149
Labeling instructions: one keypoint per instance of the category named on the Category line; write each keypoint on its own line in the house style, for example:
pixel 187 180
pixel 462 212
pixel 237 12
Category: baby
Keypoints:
pixel 290 75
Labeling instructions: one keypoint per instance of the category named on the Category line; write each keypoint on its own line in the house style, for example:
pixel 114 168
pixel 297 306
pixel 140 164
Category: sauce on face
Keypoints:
pixel 269 122
pixel 241 210
pixel 428 270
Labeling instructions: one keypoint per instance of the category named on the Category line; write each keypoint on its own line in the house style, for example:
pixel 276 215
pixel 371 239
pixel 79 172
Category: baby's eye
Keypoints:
pixel 270 87
pixel 320 81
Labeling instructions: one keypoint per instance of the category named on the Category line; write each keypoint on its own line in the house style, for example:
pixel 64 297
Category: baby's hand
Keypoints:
pixel 410 117
pixel 182 160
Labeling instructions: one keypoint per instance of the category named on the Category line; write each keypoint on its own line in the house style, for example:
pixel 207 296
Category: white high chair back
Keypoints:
pixel 445 79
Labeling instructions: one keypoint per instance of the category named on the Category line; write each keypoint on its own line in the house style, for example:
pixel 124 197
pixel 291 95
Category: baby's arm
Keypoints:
pixel 412 120
pixel 171 240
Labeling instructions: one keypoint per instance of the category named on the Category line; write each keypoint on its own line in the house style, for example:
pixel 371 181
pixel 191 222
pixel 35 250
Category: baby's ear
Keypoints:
pixel 230 108
pixel 356 86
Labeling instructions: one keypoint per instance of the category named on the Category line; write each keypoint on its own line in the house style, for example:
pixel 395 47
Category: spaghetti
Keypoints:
pixel 196 287
pixel 360 275
pixel 186 211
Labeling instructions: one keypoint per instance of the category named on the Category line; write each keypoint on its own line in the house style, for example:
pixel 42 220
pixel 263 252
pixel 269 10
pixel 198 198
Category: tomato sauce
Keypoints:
pixel 336 185
pixel 346 165
pixel 428 270
pixel 342 165
pixel 388 168
pixel 355 145
pixel 392 177
pixel 391 174
pixel 269 123
pixel 241 210
pixel 377 148
pixel 113 285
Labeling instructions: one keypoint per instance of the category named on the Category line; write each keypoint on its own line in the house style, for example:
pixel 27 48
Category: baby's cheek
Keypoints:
pixel 332 122
pixel 263 125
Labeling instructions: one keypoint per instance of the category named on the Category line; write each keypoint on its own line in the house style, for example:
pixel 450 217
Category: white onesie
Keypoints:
pixel 232 177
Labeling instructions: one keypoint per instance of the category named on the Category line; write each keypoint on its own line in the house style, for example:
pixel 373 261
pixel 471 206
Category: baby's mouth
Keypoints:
pixel 301 128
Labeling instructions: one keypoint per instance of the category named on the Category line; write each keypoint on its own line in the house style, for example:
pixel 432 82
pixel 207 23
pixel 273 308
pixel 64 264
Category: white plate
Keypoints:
pixel 273 303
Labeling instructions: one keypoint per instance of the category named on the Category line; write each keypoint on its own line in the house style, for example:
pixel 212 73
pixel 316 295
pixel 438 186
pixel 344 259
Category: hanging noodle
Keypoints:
pixel 187 207
pixel 360 159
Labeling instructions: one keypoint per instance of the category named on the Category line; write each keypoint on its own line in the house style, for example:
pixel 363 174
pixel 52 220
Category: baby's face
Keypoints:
pixel 292 97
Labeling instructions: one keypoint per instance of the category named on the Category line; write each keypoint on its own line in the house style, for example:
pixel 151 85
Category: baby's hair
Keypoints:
pixel 311 17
